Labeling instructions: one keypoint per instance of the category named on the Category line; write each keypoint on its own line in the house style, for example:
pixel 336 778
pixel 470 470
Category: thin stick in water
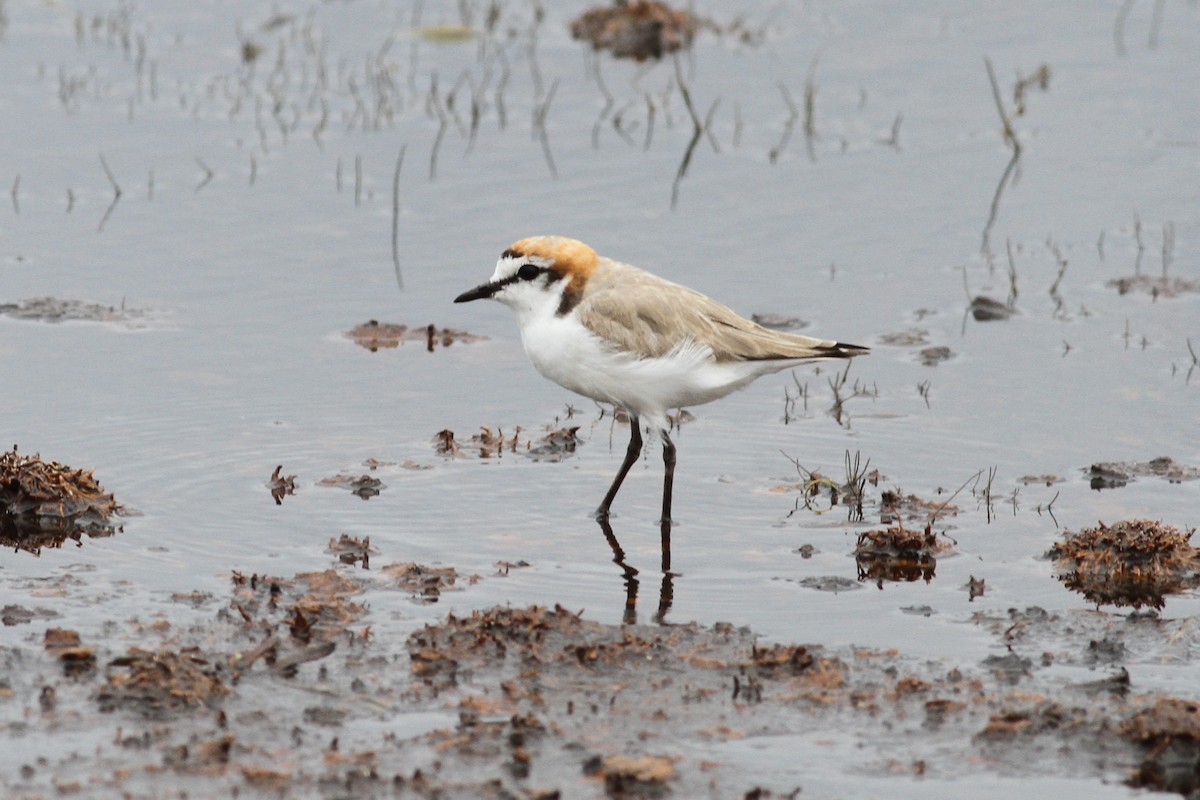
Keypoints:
pixel 396 216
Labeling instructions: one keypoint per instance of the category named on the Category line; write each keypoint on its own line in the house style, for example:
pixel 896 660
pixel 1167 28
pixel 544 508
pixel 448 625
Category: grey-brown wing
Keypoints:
pixel 650 316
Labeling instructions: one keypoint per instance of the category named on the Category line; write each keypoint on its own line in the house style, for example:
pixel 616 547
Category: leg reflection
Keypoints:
pixel 629 616
pixel 666 590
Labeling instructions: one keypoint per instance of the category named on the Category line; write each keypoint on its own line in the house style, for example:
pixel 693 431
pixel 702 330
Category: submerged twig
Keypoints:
pixel 116 194
pixel 697 132
pixel 810 108
pixel 396 216
pixel 1168 246
pixel 788 124
pixel 1119 27
pixel 539 125
pixel 208 175
pixel 942 506
pixel 1010 138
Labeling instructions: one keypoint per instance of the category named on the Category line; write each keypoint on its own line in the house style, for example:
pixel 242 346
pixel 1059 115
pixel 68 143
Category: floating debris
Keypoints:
pixel 43 503
pixel 352 550
pixel 155 684
pixel 281 486
pixel 426 583
pixel 555 445
pixel 446 34
pixel 640 776
pixel 912 337
pixel 985 309
pixel 374 335
pixel 65 645
pixel 19 615
pixel 830 583
pixel 488 442
pixel 364 486
pixel 778 322
pixel 1047 479
pixel 640 29
pixel 895 506
pixel 1133 563
pixel 1156 287
pixel 1046 716
pixel 898 554
pixel 51 309
pixel 1115 474
pixel 932 356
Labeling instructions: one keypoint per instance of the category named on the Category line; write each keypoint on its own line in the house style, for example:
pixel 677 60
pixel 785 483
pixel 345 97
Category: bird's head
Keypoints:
pixel 540 272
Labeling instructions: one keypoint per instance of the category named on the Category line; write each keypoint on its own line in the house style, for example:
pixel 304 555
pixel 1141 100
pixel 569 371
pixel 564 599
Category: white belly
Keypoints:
pixel 568 354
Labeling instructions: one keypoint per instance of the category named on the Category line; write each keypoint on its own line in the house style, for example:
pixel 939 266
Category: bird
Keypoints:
pixel 621 335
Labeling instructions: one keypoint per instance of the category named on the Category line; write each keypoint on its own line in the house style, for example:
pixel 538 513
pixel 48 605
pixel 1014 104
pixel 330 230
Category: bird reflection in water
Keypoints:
pixel 666 590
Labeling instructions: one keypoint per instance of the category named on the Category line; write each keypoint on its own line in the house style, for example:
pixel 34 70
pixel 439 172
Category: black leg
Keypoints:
pixel 669 476
pixel 631 455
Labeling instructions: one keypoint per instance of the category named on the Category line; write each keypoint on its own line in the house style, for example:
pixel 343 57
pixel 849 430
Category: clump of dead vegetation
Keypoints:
pixel 555 444
pixel 898 554
pixel 375 335
pixel 42 503
pixel 641 29
pixel 1131 563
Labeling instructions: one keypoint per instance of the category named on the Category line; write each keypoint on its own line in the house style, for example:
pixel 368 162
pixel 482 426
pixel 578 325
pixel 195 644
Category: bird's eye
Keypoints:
pixel 528 272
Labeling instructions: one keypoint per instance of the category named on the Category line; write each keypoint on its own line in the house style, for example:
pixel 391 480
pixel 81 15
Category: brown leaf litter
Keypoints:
pixel 156 683
pixel 352 550
pixel 281 485
pixel 65 645
pixel 426 583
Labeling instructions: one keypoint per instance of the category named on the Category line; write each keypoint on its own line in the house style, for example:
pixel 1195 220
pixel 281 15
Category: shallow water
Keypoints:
pixel 250 275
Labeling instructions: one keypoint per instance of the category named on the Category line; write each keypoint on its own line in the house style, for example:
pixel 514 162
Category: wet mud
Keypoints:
pixel 53 309
pixel 1115 474
pixel 282 687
